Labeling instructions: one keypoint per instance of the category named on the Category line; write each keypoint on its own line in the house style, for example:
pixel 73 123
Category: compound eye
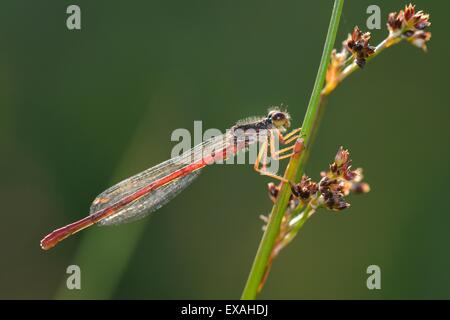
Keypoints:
pixel 278 116
pixel 280 119
pixel 271 113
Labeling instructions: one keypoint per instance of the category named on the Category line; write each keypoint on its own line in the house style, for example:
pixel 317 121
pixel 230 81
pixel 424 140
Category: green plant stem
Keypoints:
pixel 295 167
pixel 306 214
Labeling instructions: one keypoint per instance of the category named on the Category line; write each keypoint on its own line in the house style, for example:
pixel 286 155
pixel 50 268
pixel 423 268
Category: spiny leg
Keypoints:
pixel 288 138
pixel 286 156
pixel 278 155
pixel 275 154
pixel 291 136
pixel 264 158
pixel 269 144
pixel 263 171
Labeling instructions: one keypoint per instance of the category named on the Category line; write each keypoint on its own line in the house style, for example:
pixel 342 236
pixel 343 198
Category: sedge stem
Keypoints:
pixel 295 167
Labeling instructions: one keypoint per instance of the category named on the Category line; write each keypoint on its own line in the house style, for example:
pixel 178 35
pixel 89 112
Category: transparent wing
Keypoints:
pixel 150 202
pixel 160 196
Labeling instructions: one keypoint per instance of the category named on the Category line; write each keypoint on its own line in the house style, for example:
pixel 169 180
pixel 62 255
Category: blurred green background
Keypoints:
pixel 81 110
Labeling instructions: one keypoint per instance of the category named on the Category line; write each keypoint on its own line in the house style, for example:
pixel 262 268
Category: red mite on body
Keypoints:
pixel 145 192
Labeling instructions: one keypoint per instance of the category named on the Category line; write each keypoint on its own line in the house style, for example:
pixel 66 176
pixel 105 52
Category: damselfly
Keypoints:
pixel 145 192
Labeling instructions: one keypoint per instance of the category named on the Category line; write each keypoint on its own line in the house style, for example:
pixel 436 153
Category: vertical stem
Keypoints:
pixel 294 169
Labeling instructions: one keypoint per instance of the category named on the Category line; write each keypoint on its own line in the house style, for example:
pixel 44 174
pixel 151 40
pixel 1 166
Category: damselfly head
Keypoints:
pixel 280 119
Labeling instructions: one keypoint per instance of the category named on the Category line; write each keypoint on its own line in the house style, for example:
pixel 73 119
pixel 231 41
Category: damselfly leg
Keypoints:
pixel 269 144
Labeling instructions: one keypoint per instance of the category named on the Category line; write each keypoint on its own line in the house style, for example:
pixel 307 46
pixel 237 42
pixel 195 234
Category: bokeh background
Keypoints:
pixel 81 110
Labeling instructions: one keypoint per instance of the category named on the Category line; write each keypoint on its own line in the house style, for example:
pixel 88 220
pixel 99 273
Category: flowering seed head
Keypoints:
pixel 342 157
pixel 330 192
pixel 360 187
pixel 419 39
pixel 358 44
pixel 340 181
pixel 305 189
pixel 335 66
pixel 394 21
pixel 410 24
pixel 273 191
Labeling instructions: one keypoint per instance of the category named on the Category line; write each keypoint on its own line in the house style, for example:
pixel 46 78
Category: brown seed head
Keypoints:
pixel 409 23
pixel 358 44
